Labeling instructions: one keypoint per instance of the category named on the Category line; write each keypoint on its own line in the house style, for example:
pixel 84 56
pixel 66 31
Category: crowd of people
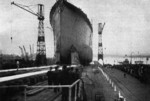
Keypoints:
pixel 139 71
pixel 63 76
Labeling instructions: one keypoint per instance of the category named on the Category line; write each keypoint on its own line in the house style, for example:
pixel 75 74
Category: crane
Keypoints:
pixel 22 54
pixel 41 47
pixel 30 52
pixel 25 52
pixel 100 45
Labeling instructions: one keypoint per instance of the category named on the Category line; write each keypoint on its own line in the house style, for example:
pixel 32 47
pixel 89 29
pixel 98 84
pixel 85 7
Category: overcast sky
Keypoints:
pixel 127 25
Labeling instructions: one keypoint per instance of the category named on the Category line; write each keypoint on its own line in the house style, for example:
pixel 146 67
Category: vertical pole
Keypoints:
pixel 75 97
pixel 25 96
pixel 69 94
pixel 131 58
pixel 79 89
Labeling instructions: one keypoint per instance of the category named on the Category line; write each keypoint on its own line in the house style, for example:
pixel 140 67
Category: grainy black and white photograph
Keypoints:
pixel 74 50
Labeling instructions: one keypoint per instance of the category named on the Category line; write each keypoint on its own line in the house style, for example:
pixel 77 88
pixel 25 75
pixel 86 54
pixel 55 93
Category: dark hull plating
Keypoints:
pixel 71 27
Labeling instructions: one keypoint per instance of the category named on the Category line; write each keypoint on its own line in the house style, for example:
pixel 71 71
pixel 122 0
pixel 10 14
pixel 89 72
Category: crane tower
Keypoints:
pixel 100 45
pixel 41 49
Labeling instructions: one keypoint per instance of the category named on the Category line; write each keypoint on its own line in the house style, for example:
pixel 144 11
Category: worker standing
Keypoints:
pixel 56 80
pixel 50 76
pixel 18 65
pixel 65 76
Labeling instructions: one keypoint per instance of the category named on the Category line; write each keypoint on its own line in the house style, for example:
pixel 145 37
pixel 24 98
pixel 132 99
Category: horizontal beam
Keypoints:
pixel 20 76
pixel 43 86
pixel 27 68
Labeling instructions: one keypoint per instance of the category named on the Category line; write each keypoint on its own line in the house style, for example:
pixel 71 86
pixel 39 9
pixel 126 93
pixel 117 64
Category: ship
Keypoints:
pixel 72 33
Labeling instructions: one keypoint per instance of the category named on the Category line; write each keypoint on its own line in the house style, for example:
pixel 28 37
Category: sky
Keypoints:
pixel 126 30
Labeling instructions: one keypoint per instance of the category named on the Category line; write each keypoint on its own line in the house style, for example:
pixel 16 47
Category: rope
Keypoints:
pixel 27 7
pixel 11 25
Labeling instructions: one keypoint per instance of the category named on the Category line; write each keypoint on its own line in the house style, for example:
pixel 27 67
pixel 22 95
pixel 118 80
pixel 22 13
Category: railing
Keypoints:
pixel 72 96
pixel 27 68
pixel 20 76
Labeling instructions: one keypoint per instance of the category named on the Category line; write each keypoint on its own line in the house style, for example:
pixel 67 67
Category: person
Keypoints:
pixel 18 65
pixel 50 75
pixel 56 79
pixel 65 75
pixel 124 75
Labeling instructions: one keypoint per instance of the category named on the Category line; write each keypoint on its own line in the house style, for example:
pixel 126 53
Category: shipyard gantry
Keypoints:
pixel 74 76
pixel 41 48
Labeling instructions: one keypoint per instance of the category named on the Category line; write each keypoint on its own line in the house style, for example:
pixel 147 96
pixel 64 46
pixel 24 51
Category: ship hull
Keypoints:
pixel 71 29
